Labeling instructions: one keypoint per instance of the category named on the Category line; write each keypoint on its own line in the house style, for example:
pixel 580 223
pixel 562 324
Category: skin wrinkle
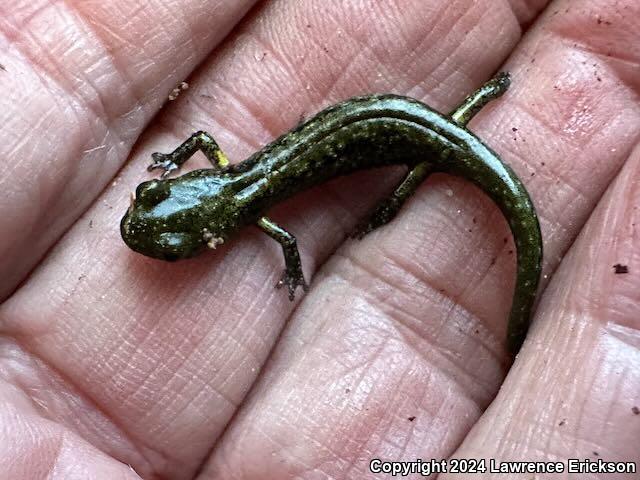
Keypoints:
pixel 178 15
pixel 63 79
pixel 445 59
pixel 55 98
pixel 176 394
pixel 142 386
pixel 338 71
pixel 88 400
pixel 290 69
pixel 167 388
pixel 101 111
pixel 272 123
pixel 450 359
pixel 607 57
pixel 406 266
pixel 330 89
pixel 246 109
pixel 542 122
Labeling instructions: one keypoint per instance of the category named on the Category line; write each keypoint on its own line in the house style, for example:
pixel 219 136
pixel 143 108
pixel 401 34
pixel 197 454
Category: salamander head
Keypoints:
pixel 178 218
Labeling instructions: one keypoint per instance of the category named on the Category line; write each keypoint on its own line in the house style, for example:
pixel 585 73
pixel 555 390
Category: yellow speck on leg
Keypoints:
pixel 223 161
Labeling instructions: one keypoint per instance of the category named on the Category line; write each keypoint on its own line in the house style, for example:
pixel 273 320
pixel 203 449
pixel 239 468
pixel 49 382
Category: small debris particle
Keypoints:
pixel 493 261
pixel 175 93
pixel 596 453
pixel 505 240
pixel 204 95
pixel 562 422
pixel 635 410
pixel 347 390
pixel 599 79
pixel 619 269
pixel 533 174
pixel 477 331
pixel 90 223
pixel 3 68
pixel 542 163
pixel 514 129
pixel 411 419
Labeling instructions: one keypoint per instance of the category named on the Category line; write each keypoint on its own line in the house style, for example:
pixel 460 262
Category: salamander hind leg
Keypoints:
pixel 471 105
pixel 292 276
pixel 388 208
pixel 198 141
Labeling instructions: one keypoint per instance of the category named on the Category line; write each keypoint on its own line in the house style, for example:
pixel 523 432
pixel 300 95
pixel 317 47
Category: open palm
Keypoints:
pixel 113 365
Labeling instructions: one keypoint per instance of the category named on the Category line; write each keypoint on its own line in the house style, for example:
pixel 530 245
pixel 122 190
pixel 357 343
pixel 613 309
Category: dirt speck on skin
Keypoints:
pixel 175 93
pixel 619 269
pixel 562 422
pixel 411 419
pixel 636 410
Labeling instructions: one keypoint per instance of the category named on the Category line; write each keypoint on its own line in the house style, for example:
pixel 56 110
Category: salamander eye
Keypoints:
pixel 152 193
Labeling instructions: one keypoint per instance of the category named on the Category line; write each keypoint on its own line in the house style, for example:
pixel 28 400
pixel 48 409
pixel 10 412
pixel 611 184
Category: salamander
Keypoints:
pixel 176 218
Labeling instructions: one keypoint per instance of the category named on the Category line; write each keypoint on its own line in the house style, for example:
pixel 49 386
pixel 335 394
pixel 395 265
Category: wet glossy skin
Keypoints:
pixel 178 218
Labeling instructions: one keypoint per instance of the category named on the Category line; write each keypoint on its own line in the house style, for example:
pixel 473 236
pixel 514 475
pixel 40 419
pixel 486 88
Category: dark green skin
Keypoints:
pixel 177 218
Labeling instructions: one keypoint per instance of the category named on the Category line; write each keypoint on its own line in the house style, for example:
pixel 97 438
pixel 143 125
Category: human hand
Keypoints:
pixel 111 359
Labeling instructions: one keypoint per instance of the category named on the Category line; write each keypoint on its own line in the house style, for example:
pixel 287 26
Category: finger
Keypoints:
pixel 84 79
pixel 400 346
pixel 34 446
pixel 575 390
pixel 169 351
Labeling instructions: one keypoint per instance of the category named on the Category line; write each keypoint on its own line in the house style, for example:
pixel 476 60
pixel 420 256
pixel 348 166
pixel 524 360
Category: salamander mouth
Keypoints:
pixel 146 240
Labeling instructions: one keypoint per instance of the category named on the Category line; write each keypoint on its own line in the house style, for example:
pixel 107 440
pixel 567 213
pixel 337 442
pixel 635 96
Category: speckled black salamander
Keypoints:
pixel 177 218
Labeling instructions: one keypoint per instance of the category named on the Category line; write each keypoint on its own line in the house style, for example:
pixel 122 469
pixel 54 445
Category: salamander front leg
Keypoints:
pixel 198 141
pixel 388 208
pixel 292 276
